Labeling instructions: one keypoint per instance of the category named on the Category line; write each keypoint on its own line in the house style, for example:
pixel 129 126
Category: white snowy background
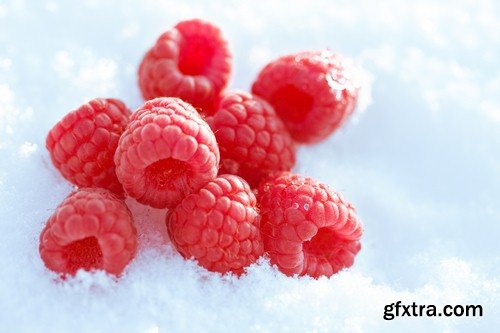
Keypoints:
pixel 421 163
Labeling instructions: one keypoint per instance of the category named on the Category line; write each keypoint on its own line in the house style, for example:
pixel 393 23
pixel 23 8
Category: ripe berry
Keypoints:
pixel 307 228
pixel 83 143
pixel 312 92
pixel 218 226
pixel 166 152
pixel 253 141
pixel 91 229
pixel 191 61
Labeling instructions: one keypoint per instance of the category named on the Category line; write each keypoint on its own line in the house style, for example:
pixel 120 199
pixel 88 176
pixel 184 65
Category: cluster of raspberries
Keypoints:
pixel 218 160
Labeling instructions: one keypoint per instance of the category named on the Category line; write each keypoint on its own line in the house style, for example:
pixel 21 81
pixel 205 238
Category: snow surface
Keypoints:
pixel 421 164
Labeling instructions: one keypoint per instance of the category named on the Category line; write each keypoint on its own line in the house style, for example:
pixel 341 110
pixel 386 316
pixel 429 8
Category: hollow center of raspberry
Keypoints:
pixel 166 171
pixel 84 253
pixel 325 243
pixel 195 55
pixel 291 103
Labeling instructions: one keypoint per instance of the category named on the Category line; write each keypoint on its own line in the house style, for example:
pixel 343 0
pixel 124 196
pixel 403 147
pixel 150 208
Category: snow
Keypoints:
pixel 421 164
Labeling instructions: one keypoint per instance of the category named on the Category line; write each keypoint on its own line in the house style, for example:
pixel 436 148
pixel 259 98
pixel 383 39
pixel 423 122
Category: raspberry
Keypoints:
pixel 253 141
pixel 312 92
pixel 218 226
pixel 166 152
pixel 191 61
pixel 82 144
pixel 91 229
pixel 307 228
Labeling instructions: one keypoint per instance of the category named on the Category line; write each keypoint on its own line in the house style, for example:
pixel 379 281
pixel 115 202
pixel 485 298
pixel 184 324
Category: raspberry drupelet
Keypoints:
pixel 307 228
pixel 312 92
pixel 83 143
pixel 91 229
pixel 218 226
pixel 191 61
pixel 252 139
pixel 166 152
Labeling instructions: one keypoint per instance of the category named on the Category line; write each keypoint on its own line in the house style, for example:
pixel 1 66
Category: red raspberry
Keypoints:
pixel 166 152
pixel 91 229
pixel 191 61
pixel 312 92
pixel 82 144
pixel 307 228
pixel 218 226
pixel 253 141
